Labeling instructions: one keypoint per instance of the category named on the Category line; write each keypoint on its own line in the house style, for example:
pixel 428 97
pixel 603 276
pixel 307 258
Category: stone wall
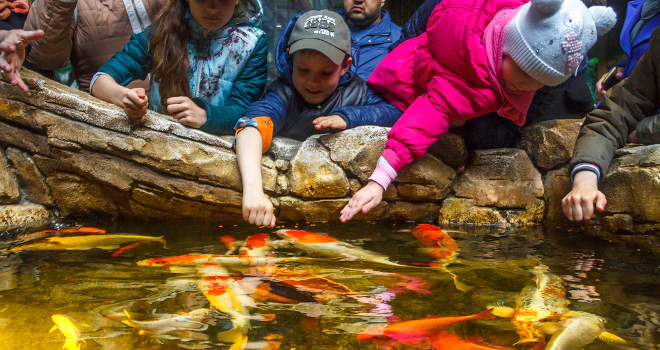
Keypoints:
pixel 63 152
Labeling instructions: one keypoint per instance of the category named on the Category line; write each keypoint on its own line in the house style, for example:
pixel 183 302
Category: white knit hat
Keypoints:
pixel 549 38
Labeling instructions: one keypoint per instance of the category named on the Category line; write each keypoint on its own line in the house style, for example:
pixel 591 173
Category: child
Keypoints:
pixel 476 57
pixel 627 113
pixel 318 91
pixel 207 60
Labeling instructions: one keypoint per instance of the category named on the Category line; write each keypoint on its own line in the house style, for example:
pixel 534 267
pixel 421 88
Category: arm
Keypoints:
pixel 647 131
pixel 376 111
pixel 247 88
pixel 257 208
pixel 12 53
pixel 55 18
pixel 133 101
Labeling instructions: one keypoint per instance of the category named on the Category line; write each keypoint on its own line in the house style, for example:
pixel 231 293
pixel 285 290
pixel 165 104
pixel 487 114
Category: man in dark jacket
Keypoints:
pixel 627 113
pixel 318 92
pixel 372 29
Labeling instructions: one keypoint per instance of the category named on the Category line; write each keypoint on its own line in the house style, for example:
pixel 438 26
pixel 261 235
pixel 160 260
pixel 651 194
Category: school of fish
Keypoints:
pixel 250 272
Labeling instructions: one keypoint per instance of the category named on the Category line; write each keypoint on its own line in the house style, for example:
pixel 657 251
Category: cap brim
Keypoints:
pixel 334 54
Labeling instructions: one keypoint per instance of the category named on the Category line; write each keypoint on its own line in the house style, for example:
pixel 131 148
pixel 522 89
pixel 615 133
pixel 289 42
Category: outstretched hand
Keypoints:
pixel 258 209
pixel 330 122
pixel 184 110
pixel 12 54
pixel 364 200
pixel 578 204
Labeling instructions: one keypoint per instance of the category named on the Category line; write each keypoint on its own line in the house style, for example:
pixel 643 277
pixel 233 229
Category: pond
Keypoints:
pixel 330 298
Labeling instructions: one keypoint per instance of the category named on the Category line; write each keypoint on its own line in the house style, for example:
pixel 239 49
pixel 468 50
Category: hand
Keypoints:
pixel 632 138
pixel 578 204
pixel 135 103
pixel 600 92
pixel 331 121
pixel 186 112
pixel 364 200
pixel 12 54
pixel 258 209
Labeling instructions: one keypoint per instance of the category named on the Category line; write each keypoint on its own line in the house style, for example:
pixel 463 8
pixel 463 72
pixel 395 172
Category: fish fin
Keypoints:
pixel 233 336
pixel 53 329
pixel 105 247
pixel 611 338
pixel 161 239
pixel 486 314
pixel 502 311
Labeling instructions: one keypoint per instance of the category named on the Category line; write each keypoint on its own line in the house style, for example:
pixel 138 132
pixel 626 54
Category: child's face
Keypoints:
pixel 212 14
pixel 515 79
pixel 315 76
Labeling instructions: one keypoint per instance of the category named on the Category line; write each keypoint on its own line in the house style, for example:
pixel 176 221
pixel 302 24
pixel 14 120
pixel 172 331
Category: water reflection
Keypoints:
pixel 303 291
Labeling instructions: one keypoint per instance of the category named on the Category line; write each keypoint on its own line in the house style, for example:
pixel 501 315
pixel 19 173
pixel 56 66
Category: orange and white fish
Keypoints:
pixel 68 327
pixel 66 230
pixel 225 293
pixel 87 242
pixel 169 323
pixel 539 306
pixel 282 293
pixel 328 246
pixel 419 330
pixel 437 243
pixel 224 260
pixel 444 340
pixel 256 246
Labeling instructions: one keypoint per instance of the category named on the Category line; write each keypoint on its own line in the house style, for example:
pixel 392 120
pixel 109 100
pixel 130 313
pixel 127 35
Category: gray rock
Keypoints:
pixel 9 190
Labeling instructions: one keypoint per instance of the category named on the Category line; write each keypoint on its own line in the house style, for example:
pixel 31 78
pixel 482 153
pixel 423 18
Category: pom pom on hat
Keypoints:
pixel 549 38
pixel 605 18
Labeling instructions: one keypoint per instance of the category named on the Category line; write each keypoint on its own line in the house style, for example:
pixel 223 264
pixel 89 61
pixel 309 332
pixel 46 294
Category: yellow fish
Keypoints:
pixel 577 332
pixel 539 306
pixel 87 242
pixel 66 325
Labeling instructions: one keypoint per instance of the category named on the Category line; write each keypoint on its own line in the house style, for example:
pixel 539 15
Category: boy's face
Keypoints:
pixel 315 76
pixel 515 79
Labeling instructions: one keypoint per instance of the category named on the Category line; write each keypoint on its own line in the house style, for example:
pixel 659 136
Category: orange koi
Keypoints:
pixel 329 246
pixel 281 293
pixel 418 330
pixel 123 249
pixel 228 241
pixel 67 230
pixel 440 244
pixel 447 341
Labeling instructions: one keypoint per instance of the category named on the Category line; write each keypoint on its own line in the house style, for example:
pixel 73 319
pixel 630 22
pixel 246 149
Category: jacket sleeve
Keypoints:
pixel 376 111
pixel 131 63
pixel 55 18
pixel 624 106
pixel 648 130
pixel 248 87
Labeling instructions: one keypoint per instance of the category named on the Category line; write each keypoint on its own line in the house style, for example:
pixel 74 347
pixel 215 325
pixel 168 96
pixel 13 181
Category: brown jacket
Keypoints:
pixel 87 33
pixel 630 105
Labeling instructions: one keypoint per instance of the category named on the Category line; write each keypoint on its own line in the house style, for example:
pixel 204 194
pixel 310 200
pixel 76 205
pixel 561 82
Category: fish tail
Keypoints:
pixel 487 314
pixel 53 329
pixel 611 338
pixel 161 239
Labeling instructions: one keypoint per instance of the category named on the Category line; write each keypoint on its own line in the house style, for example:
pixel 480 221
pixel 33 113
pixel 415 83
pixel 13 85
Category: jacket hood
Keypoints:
pixel 285 65
pixel 247 12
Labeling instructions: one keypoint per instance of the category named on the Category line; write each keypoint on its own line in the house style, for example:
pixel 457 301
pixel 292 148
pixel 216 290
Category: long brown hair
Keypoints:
pixel 170 53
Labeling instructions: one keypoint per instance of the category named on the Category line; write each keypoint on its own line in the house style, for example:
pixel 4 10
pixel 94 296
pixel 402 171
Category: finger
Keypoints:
pixel 28 36
pixel 175 107
pixel 566 206
pixel 246 213
pixel 21 84
pixel 139 92
pixel 7 47
pixel 176 100
pixel 577 210
pixel 601 201
pixel 260 219
pixel 252 218
pixel 272 222
pixel 370 205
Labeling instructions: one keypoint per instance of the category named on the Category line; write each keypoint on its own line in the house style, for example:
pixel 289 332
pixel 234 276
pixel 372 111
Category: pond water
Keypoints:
pixel 102 291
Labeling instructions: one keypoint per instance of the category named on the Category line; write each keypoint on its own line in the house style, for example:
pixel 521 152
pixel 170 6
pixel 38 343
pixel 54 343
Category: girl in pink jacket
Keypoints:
pixel 476 57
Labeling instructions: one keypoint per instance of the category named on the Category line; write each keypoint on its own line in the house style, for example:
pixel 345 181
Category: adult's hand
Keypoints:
pixel 12 54
pixel 600 92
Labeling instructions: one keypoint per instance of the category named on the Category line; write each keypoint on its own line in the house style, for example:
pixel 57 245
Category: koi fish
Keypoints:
pixel 305 280
pixel 224 260
pixel 447 341
pixel 67 326
pixel 169 323
pixel 256 246
pixel 539 306
pixel 328 246
pixel 123 249
pixel 281 293
pixel 224 293
pixel 437 243
pixel 106 242
pixel 577 332
pixel 419 330
pixel 67 230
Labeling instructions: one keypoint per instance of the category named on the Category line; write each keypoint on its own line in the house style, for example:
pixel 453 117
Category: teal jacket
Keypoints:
pixel 226 71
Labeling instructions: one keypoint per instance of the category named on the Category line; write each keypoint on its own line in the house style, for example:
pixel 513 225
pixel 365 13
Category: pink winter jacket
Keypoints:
pixel 444 75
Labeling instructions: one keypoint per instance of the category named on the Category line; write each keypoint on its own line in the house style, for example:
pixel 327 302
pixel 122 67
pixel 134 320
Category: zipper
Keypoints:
pixel 199 65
